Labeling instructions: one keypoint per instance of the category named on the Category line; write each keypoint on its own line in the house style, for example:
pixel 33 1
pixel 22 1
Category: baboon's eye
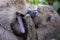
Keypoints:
pixel 48 18
pixel 19 14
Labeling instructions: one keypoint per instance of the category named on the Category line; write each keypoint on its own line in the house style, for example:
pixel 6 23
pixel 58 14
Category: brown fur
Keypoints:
pixel 47 29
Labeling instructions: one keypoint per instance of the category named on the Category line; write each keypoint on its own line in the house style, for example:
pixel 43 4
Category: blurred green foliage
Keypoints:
pixel 58 35
pixel 54 3
pixel 33 1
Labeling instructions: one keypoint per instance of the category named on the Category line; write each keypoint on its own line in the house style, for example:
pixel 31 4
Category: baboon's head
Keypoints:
pixel 10 11
pixel 18 26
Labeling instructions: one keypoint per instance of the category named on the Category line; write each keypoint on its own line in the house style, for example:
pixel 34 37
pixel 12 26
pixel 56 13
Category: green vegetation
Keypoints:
pixel 58 35
pixel 54 3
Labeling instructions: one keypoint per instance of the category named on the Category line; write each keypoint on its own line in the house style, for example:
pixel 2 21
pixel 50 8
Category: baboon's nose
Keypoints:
pixel 22 29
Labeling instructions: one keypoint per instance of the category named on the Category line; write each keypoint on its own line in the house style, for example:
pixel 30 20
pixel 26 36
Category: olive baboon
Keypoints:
pixel 8 14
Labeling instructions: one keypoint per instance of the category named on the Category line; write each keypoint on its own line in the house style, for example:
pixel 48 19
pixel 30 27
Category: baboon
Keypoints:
pixel 11 12
pixel 47 21
pixel 10 15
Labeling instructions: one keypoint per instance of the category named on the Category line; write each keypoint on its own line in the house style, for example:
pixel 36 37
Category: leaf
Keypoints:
pixel 56 5
pixel 58 35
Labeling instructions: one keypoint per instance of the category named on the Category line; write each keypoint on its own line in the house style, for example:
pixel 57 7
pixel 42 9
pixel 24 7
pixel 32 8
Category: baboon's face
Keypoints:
pixel 8 15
